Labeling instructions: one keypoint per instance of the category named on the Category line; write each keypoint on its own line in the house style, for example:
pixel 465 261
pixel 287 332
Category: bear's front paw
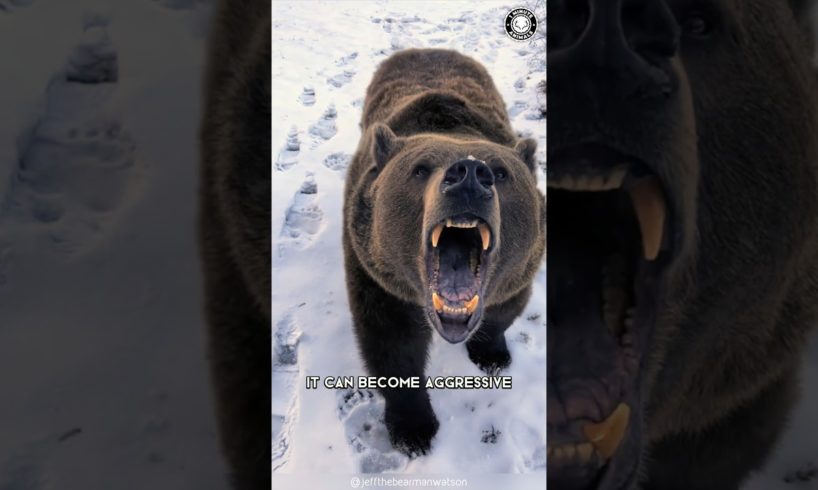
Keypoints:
pixel 410 431
pixel 491 357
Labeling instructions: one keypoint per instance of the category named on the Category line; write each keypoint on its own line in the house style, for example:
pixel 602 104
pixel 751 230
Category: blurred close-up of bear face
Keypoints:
pixel 681 237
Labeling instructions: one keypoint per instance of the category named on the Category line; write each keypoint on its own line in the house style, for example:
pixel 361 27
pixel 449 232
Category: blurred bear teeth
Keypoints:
pixel 608 182
pixel 485 232
pixel 608 434
pixel 603 439
pixel 646 195
pixel 467 309
pixel 649 203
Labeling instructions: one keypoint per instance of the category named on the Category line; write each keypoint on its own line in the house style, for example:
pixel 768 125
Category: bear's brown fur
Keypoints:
pixel 717 100
pixel 234 232
pixel 428 113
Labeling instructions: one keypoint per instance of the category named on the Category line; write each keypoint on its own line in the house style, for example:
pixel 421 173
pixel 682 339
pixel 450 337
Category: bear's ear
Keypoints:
pixel 526 148
pixel 385 144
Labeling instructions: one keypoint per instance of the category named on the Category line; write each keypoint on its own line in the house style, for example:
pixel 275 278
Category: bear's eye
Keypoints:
pixel 697 25
pixel 421 171
pixel 500 174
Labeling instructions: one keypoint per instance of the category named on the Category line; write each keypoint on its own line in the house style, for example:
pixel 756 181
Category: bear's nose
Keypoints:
pixel 612 49
pixel 468 178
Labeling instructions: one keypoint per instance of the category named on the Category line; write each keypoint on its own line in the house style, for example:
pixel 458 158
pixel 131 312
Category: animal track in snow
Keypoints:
pixel 341 79
pixel 288 156
pixel 517 108
pixel 345 60
pixel 361 412
pixel 325 127
pixel 305 218
pixel 338 162
pixel 286 338
pixel 76 165
pixel 307 96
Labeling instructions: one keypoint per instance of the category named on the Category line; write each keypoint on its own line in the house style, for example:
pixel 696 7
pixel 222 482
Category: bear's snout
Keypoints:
pixel 469 180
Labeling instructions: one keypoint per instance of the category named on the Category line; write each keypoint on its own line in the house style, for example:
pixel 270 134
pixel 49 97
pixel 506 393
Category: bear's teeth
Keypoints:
pixel 437 302
pixel 472 304
pixel 436 235
pixel 649 203
pixel 485 235
pixel 454 311
pixel 611 180
pixel 608 434
pixel 454 224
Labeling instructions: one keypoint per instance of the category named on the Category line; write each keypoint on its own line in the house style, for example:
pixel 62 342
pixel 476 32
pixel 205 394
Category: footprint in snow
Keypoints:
pixel 345 60
pixel 325 127
pixel 76 166
pixel 307 96
pixel 287 337
pixel 517 108
pixel 342 78
pixel 338 162
pixel 361 412
pixel 304 220
pixel 288 156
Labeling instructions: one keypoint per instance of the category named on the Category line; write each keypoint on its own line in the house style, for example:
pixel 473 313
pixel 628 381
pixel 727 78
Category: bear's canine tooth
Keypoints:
pixel 436 235
pixel 485 235
pixel 649 203
pixel 472 304
pixel 608 434
pixel 437 302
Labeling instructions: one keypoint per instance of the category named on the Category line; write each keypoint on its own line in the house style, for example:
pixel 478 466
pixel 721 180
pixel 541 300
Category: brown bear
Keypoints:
pixel 234 233
pixel 444 227
pixel 682 237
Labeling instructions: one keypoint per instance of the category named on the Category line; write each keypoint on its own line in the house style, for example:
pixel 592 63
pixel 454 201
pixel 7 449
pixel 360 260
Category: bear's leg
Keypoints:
pixel 394 345
pixel 239 351
pixel 487 347
pixel 393 338
pixel 725 455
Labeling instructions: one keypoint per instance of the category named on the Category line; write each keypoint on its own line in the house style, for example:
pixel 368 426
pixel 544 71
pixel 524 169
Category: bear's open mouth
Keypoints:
pixel 456 260
pixel 610 235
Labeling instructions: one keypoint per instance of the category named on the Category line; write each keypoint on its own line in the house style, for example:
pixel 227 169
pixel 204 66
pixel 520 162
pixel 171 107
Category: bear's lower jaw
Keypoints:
pixel 457 326
pixel 608 249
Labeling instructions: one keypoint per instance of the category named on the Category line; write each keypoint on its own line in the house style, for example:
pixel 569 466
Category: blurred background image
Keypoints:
pixel 102 358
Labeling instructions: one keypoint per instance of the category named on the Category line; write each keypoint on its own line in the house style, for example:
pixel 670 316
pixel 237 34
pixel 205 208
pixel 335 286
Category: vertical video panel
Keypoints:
pixel 682 244
pixel 408 236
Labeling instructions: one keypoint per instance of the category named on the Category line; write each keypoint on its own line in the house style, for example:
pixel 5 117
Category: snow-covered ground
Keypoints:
pixel 324 55
pixel 102 359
